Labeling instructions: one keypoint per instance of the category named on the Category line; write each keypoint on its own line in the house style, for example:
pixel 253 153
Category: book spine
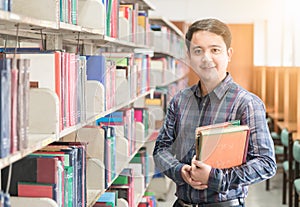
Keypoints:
pixel 5 102
pixel 26 89
pixel 14 97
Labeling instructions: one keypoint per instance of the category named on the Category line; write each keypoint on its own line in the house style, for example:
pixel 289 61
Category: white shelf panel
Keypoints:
pixel 10 19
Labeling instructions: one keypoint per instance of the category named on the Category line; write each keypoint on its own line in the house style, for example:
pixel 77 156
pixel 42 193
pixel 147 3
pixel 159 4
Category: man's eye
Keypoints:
pixel 216 51
pixel 198 52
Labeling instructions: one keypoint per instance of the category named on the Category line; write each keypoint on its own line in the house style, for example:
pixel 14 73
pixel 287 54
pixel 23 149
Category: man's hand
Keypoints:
pixel 186 175
pixel 200 171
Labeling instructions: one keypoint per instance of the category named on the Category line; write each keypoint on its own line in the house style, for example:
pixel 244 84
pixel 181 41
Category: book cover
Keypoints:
pixel 107 198
pixel 223 145
pixel 37 190
pixel 96 70
pixel 24 170
pixel 50 170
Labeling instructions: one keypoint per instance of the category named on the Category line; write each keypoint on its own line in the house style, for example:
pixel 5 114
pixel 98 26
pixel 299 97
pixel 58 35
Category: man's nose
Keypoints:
pixel 207 56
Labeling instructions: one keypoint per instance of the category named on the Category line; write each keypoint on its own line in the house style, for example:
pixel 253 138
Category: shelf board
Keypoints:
pixel 35 142
pixel 124 104
pixel 163 21
pixel 92 197
pixel 10 19
pixel 143 4
pixel 65 27
pixel 104 113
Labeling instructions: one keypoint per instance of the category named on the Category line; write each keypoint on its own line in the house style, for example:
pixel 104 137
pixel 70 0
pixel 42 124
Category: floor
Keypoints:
pixel 257 197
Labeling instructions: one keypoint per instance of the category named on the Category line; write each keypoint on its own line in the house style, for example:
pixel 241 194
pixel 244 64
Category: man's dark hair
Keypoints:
pixel 211 25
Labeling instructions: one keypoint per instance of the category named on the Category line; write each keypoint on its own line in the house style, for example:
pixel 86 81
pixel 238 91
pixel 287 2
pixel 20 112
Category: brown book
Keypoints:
pixel 222 145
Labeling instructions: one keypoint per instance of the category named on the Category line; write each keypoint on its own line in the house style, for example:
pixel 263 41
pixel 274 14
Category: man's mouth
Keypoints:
pixel 207 67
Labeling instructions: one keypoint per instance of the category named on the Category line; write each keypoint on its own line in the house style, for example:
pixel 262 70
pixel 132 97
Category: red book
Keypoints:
pixel 38 190
pixel 114 19
pixel 58 67
pixel 14 97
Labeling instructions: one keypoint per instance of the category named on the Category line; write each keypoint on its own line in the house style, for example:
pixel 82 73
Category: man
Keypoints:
pixel 215 99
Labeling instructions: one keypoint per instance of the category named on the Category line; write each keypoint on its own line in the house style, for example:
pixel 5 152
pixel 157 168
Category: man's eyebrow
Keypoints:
pixel 195 46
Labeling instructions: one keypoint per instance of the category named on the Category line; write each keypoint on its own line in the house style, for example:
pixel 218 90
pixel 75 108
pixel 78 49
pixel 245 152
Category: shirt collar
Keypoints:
pixel 219 91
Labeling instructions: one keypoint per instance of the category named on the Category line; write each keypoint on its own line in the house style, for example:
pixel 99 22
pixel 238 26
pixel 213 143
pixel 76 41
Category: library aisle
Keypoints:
pixel 258 196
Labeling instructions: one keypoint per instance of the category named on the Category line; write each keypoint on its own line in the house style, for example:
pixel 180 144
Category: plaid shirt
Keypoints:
pixel 175 143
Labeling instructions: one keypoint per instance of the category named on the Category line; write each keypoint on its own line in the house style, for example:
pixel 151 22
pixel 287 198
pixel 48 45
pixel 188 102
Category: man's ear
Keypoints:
pixel 188 57
pixel 229 53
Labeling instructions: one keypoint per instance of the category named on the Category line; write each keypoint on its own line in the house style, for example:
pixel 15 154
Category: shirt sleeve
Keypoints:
pixel 260 162
pixel 163 157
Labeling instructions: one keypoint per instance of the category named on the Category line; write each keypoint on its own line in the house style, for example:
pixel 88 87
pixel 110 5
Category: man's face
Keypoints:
pixel 209 56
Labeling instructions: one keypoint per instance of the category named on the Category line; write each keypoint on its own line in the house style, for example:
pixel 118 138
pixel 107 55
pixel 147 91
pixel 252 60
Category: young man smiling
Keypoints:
pixel 215 99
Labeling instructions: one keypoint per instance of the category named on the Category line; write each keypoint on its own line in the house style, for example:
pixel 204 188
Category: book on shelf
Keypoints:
pixel 143 25
pixel 32 169
pixel 142 158
pixel 70 168
pixel 77 159
pixel 222 145
pixel 142 115
pixel 81 168
pixel 5 105
pixel 50 170
pixel 14 114
pixel 110 154
pixel 37 190
pixel 124 185
pixel 23 66
pixel 143 72
pixel 131 13
pixel 108 198
pixel 123 117
pixel 96 70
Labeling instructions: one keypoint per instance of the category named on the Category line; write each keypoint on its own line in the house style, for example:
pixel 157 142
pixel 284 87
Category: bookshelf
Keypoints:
pixel 23 25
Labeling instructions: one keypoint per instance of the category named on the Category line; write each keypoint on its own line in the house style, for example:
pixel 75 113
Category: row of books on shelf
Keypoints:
pixel 120 20
pixel 130 183
pixel 174 43
pixel 166 69
pixel 112 199
pixel 57 171
pixel 88 159
pixel 68 75
pixel 125 21
pixel 14 102
pixel 120 125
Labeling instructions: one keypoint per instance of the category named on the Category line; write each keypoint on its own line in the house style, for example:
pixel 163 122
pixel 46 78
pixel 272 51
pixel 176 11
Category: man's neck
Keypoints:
pixel 209 86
